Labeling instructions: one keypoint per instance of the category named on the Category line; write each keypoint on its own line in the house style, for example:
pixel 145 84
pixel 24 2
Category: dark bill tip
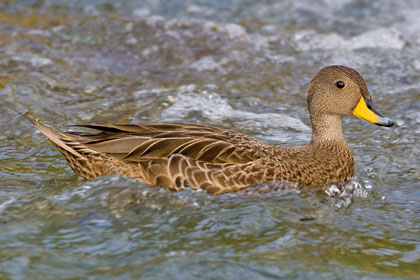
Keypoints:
pixel 385 122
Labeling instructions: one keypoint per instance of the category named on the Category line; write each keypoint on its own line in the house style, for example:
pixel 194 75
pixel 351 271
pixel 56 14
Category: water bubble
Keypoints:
pixel 332 190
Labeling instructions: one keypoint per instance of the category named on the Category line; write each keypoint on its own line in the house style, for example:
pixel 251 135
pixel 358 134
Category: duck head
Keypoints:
pixel 340 91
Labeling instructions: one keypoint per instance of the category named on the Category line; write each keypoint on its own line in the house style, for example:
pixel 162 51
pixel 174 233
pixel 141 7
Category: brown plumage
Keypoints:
pixel 177 156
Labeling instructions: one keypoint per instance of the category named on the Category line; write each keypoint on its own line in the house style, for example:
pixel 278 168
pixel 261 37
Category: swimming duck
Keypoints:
pixel 178 156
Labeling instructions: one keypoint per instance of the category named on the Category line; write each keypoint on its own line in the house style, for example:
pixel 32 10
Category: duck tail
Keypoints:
pixel 58 138
pixel 76 154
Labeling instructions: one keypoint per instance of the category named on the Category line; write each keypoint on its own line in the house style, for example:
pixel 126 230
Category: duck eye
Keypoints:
pixel 340 84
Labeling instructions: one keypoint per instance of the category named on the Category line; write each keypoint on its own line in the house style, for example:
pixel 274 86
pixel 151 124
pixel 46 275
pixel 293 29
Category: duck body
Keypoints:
pixel 178 156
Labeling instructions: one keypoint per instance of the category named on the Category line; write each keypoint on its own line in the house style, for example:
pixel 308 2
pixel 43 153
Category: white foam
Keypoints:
pixel 6 203
pixel 378 38
pixel 208 63
pixel 141 12
pixel 40 61
pixel 202 10
pixel 217 109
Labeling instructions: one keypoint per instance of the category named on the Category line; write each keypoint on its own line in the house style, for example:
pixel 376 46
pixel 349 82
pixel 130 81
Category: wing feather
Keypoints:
pixel 132 142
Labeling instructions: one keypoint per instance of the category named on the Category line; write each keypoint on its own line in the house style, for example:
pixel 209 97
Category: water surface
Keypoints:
pixel 241 65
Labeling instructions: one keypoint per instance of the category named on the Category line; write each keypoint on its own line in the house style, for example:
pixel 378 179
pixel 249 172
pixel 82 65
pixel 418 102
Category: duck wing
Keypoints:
pixel 140 142
pixel 174 156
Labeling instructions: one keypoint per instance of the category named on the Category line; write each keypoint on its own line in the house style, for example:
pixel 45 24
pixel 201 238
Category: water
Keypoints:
pixel 242 65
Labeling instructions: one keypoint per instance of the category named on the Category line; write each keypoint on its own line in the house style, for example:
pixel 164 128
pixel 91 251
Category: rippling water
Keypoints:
pixel 241 65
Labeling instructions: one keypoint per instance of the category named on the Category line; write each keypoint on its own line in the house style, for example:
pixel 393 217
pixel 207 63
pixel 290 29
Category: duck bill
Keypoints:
pixel 366 111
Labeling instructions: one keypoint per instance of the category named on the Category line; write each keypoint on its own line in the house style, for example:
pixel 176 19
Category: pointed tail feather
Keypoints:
pixel 55 136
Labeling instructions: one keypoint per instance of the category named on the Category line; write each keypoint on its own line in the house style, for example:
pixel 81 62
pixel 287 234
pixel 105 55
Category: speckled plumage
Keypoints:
pixel 178 156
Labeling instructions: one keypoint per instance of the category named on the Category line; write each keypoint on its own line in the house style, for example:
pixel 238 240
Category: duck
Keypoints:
pixel 177 156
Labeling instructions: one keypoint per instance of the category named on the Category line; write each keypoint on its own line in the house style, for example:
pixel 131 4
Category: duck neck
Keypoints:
pixel 326 129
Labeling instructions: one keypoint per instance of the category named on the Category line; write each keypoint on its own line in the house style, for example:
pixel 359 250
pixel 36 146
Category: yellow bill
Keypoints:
pixel 366 111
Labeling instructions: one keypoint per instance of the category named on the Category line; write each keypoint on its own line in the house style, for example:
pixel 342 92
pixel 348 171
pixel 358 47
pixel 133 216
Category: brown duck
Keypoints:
pixel 178 156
